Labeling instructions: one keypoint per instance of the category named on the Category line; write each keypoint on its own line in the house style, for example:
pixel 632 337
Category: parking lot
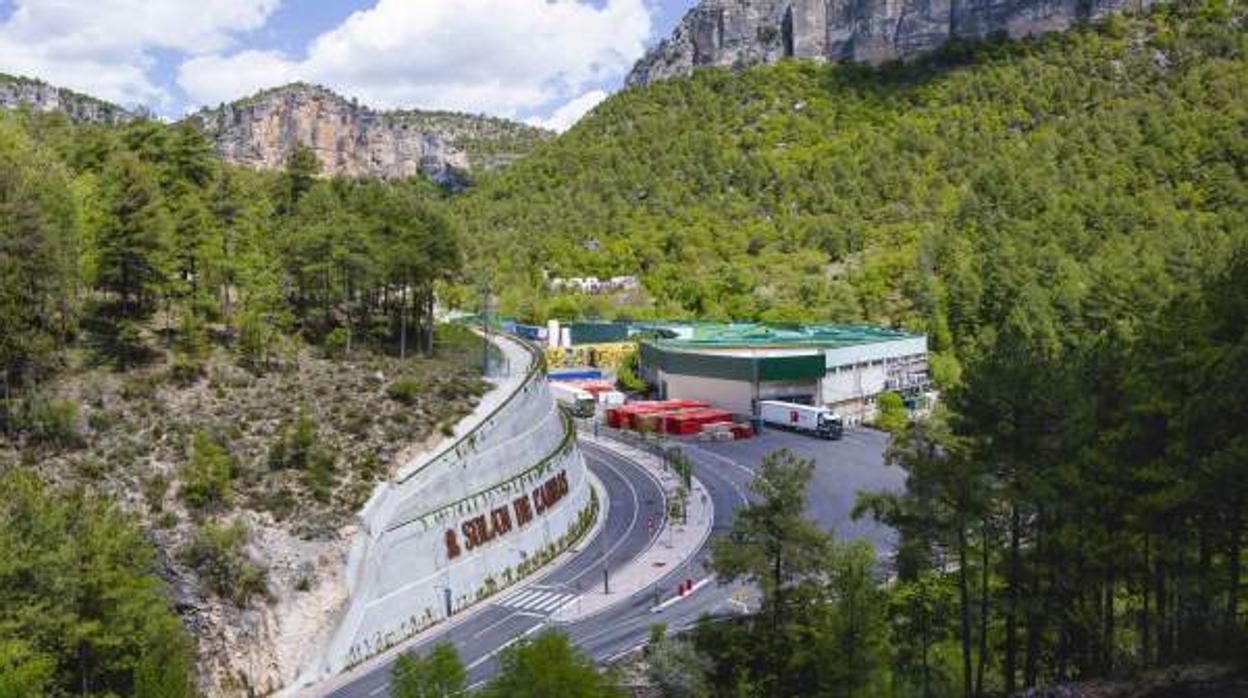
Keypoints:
pixel 842 469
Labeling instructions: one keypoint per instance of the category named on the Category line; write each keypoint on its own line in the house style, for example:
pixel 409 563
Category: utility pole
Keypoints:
pixel 606 588
pixel 485 329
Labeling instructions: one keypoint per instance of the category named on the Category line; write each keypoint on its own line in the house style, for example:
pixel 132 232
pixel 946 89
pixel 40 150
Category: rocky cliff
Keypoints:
pixel 354 140
pixel 739 33
pixel 36 94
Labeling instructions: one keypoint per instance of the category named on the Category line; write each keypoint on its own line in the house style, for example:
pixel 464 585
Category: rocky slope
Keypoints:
pixel 18 91
pixel 354 140
pixel 739 33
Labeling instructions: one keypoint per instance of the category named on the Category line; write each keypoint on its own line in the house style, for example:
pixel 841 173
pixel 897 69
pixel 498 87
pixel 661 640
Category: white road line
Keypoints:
pixel 541 600
pixel 550 605
pixel 631 522
pixel 522 598
pixel 495 624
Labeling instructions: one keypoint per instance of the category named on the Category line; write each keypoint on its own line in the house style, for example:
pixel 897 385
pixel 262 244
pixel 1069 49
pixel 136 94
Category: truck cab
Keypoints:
pixel 830 425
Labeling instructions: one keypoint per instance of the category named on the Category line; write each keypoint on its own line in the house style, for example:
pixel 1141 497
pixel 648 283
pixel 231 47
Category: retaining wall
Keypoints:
pixel 422 534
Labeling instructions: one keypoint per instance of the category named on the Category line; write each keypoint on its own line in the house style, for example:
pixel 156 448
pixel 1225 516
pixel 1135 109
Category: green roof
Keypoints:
pixel 764 335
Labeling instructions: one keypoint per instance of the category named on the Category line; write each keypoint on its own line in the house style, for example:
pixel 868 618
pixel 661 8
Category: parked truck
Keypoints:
pixel 579 402
pixel 808 419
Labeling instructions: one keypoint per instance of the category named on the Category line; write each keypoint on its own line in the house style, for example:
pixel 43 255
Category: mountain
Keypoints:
pixel 739 33
pixel 351 139
pixel 19 91
pixel 802 191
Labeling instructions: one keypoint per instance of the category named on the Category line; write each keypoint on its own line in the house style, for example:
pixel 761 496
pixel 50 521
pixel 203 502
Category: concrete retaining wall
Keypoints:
pixel 402 565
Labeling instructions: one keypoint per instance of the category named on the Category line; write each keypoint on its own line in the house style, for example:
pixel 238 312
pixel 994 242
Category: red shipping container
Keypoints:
pixel 614 415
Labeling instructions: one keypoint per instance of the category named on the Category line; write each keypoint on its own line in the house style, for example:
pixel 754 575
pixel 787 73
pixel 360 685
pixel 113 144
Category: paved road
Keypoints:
pixel 841 469
pixel 634 496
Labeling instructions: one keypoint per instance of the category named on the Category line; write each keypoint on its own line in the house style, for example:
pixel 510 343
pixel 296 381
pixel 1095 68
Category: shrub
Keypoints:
pixel 217 554
pixel 406 390
pixel 53 421
pixel 336 343
pixel 298 448
pixel 891 415
pixel 141 386
pixel 154 489
pixel 295 443
pixel 627 378
pixel 191 339
pixel 206 480
pixel 185 369
pixel 253 342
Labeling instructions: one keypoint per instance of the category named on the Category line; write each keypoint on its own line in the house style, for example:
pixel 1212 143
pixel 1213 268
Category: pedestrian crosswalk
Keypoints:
pixel 538 599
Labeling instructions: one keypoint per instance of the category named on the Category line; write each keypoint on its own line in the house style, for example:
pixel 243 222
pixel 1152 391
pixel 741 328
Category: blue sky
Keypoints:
pixel 543 61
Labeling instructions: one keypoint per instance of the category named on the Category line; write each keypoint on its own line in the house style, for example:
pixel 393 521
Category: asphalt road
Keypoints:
pixel 842 468
pixel 634 496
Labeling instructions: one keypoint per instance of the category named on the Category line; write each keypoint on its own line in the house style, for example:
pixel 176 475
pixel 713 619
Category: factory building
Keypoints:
pixel 843 367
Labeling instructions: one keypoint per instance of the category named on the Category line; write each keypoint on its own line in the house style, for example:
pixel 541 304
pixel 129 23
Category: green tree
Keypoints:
pixel 302 168
pixel 548 665
pixel 191 241
pixel 676 668
pixel 217 552
pixel 439 674
pixel 207 479
pixel 36 265
pixel 81 605
pixel 891 414
pixel 189 156
pixel 771 543
pixel 132 236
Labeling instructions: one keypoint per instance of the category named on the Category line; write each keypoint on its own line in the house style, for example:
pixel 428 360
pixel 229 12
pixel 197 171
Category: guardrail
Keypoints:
pixel 565 444
pixel 537 364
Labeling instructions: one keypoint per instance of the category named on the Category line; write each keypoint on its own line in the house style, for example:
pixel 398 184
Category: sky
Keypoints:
pixel 546 62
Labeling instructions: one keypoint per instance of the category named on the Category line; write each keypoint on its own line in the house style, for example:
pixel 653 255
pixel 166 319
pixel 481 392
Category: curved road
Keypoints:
pixel 842 468
pixel 635 497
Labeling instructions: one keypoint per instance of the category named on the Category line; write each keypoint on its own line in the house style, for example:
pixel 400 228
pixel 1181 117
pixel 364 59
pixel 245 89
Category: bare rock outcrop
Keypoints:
pixel 354 140
pixel 739 33
pixel 16 92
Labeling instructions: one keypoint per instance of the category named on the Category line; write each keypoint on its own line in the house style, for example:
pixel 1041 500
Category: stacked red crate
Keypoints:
pixel 691 421
pixel 625 416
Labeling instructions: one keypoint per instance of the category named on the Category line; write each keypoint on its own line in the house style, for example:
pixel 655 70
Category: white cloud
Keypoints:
pixel 504 57
pixel 104 47
pixel 571 112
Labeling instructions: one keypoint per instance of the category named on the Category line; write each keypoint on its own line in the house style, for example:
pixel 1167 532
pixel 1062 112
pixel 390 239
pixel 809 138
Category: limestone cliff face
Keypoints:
pixel 738 33
pixel 16 92
pixel 354 140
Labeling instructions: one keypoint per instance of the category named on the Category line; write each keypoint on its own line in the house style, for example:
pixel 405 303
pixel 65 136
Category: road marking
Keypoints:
pixel 539 600
pixel 697 585
pixel 504 646
pixel 519 600
pixel 632 522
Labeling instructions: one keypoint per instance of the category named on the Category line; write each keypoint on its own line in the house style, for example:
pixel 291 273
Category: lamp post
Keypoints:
pixel 485 329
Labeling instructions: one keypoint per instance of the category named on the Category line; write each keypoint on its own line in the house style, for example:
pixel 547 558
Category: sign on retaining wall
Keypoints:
pixel 483 528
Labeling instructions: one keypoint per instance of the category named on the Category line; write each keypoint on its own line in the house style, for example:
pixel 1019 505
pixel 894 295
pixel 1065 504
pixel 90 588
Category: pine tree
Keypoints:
pixel 132 238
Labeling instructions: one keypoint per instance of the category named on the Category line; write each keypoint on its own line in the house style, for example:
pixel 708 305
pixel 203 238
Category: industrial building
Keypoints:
pixel 843 367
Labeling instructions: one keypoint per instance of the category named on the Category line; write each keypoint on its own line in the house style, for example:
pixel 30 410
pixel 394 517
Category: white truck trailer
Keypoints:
pixel 808 419
pixel 579 402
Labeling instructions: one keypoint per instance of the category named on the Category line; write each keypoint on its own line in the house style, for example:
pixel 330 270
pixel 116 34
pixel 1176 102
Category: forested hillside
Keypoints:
pixel 929 194
pixel 1067 219
pixel 205 370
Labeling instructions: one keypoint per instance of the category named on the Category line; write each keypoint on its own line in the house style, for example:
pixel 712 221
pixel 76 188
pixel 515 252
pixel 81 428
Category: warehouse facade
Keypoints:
pixel 843 367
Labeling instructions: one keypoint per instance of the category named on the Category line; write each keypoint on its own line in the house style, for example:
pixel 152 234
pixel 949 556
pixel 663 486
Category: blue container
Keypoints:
pixel 575 374
pixel 531 332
